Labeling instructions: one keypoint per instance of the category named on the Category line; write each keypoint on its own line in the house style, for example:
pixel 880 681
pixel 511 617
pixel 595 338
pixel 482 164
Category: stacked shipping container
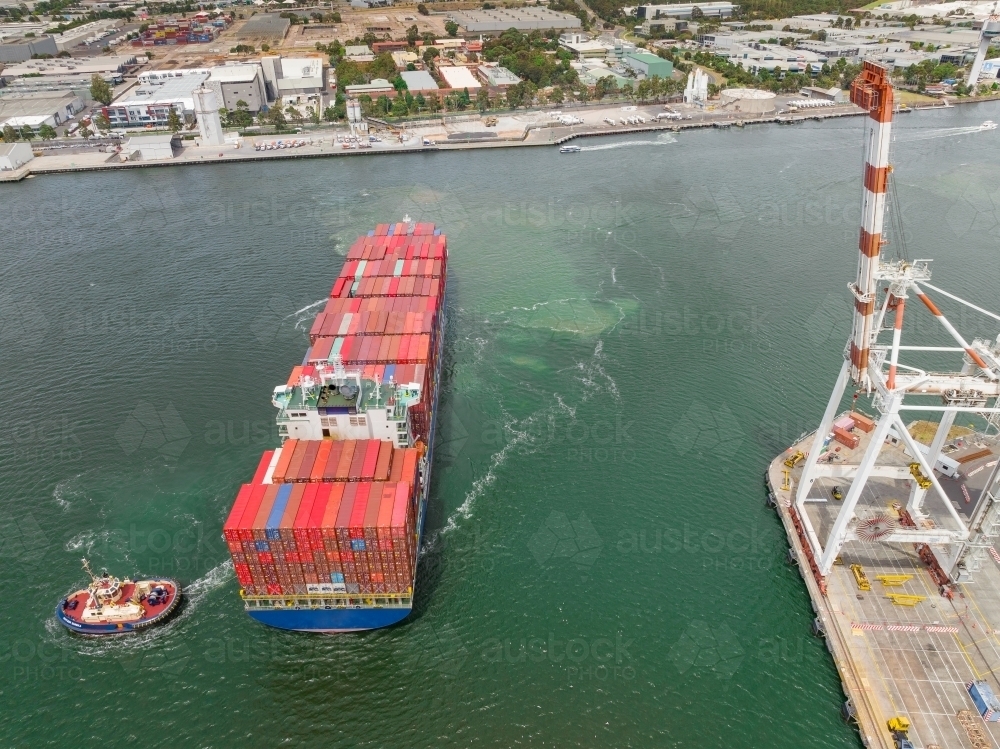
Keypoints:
pixel 339 517
pixel 327 517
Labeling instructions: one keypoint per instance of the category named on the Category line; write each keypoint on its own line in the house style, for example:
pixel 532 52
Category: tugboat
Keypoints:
pixel 109 606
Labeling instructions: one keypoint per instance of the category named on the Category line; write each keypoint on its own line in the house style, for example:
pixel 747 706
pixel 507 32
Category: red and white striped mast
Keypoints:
pixel 876 371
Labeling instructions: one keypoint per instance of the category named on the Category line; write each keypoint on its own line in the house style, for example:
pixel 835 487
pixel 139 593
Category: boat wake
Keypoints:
pixel 947 132
pixel 661 140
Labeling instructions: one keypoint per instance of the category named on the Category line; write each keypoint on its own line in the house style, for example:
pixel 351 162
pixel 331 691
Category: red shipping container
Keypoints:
pixel 296 462
pixel 370 460
pixel 260 520
pixel 333 460
pixel 230 530
pixel 358 461
pixel 346 460
pixel 287 449
pixel 385 451
pixel 319 464
pixel 308 459
pixel 846 438
pixel 265 462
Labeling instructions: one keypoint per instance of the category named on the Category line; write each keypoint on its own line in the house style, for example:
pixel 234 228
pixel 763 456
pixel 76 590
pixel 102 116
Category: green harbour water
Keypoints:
pixel 634 331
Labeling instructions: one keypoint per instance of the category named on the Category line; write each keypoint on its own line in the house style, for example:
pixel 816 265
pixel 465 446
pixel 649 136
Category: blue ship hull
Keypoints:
pixel 332 620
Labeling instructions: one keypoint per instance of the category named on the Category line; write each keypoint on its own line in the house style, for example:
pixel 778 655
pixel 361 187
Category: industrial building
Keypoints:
pixel 645 65
pixel 14 156
pixel 457 76
pixel 157 147
pixel 497 76
pixel 748 100
pixel 377 87
pixel 151 102
pixel 661 25
pixel 264 27
pixel 583 47
pixel 499 20
pixel 685 10
pixel 771 57
pixel 418 80
pixel 358 53
pixel 24 48
pixel 37 109
pixel 238 82
pixel 296 80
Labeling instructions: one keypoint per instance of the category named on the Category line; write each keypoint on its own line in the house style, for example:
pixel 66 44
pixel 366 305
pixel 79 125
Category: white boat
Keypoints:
pixel 988 125
pixel 570 149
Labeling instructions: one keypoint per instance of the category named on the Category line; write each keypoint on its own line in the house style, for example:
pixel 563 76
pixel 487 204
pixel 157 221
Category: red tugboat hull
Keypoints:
pixel 75 618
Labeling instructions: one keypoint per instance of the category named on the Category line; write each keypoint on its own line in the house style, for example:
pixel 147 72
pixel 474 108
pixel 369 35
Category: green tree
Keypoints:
pixel 412 35
pixel 265 48
pixel 27 132
pixel 46 132
pixel 483 99
pixel 399 107
pixel 100 90
pixel 85 132
pixel 451 28
pixel 9 134
pixel 335 17
pixel 429 54
pixel 102 122
pixel 422 9
pixel 556 97
pixel 174 121
pixel 399 84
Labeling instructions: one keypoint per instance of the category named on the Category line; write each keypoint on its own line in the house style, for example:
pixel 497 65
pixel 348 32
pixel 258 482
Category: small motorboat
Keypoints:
pixel 110 606
pixel 570 149
pixel 988 125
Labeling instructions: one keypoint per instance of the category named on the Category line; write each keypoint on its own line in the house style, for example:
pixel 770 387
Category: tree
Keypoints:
pixel 556 97
pixel 422 9
pixel 265 48
pixel 429 54
pixel 412 35
pixel 46 132
pixel 27 132
pixel 451 28
pixel 85 132
pixel 9 134
pixel 100 90
pixel 102 122
pixel 174 121
pixel 483 99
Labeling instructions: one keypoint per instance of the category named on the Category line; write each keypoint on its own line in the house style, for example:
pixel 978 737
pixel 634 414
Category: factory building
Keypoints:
pixel 24 48
pixel 499 20
pixel 14 156
pixel 37 109
pixel 645 65
pixel 685 10
pixel 295 80
pixel 239 82
pixel 497 76
pixel 151 102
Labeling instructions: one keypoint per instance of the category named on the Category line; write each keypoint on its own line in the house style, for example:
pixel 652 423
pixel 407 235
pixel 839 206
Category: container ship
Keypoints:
pixel 326 536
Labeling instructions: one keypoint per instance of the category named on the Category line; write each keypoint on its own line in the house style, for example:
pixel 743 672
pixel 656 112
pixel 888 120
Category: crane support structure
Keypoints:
pixel 874 364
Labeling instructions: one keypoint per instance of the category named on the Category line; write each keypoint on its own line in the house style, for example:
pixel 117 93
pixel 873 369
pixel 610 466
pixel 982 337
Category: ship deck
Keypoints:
pixel 898 660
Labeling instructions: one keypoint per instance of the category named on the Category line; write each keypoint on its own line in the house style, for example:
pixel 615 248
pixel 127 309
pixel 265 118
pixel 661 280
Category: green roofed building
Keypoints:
pixel 646 65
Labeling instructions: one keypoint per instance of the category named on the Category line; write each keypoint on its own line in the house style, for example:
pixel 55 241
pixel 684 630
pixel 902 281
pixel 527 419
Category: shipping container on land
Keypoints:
pixel 985 700
pixel 846 438
pixel 326 535
pixel 862 422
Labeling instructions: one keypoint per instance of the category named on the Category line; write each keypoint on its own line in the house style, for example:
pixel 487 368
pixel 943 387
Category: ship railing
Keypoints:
pixel 326 601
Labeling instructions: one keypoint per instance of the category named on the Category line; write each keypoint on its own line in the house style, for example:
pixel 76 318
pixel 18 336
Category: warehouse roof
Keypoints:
pixel 264 26
pixel 419 80
pixel 459 77
pixel 523 19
